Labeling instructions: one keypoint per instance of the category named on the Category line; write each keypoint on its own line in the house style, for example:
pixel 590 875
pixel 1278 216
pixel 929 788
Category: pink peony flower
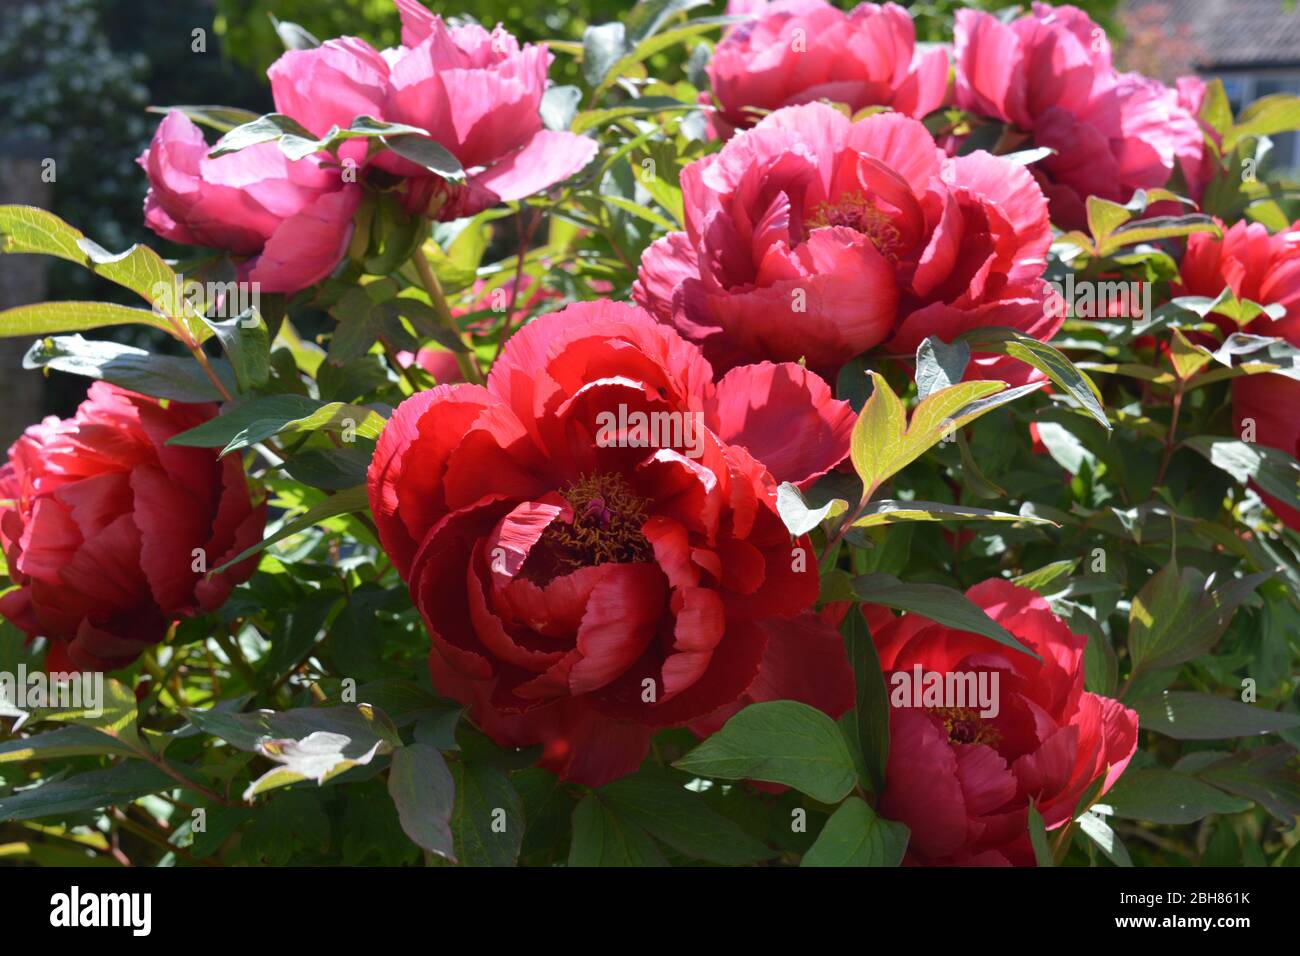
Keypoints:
pixel 1265 269
pixel 800 51
pixel 292 219
pixel 477 94
pixel 811 236
pixel 559 571
pixel 961 778
pixel 1049 74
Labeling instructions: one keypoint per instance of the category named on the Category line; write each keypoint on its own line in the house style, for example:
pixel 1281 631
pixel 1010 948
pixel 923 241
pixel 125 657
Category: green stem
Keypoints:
pixel 464 360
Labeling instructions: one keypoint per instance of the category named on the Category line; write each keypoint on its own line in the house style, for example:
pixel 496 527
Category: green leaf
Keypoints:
pixel 937 603
pixel 1266 116
pixel 258 419
pixel 660 805
pixel 46 317
pixel 1261 774
pixel 1186 715
pixel 866 727
pixel 27 229
pixel 161 376
pixel 272 127
pixel 560 106
pixel 1276 472
pixel 1165 796
pixel 1042 579
pixel 883 442
pixel 424 793
pixel 247 345
pixel 344 502
pixel 93 790
pixel 601 838
pixel 1094 826
pixel 74 741
pixel 116 717
pixel 780 741
pixel 1038 838
pixel 488 822
pixel 1048 360
pixel 885 511
pixel 602 47
pixel 1104 217
pixel 647 17
pixel 799 517
pixel 320 756
pixel 293 36
pixel 856 836
pixel 1157 227
pixel 939 365
pixel 221 118
pixel 1174 618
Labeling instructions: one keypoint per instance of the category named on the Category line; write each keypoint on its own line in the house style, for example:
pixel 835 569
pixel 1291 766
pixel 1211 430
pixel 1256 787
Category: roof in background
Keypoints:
pixel 1238 33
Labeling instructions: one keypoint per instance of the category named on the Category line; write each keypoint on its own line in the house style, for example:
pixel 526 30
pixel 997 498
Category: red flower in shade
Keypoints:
pixel 476 93
pixel 800 51
pixel 813 236
pixel 102 523
pixel 962 782
pixel 1265 269
pixel 582 589
pixel 1049 74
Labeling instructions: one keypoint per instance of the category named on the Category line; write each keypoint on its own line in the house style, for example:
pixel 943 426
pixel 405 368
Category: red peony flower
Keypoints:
pixel 292 219
pixel 586 581
pixel 1265 269
pixel 811 236
pixel 100 522
pixel 961 781
pixel 1049 74
pixel 477 94
pixel 800 51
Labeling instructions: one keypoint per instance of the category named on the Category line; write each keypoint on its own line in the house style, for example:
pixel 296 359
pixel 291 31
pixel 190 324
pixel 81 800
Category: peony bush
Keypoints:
pixel 841 451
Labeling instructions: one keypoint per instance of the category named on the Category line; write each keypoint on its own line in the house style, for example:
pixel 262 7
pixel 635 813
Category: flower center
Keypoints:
pixel 606 528
pixel 860 214
pixel 964 725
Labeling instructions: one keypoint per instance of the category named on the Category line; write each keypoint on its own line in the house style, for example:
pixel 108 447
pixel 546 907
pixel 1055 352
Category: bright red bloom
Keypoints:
pixel 580 589
pixel 1264 268
pixel 293 219
pixel 962 782
pixel 813 236
pixel 1049 74
pixel 478 94
pixel 800 51
pixel 102 523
